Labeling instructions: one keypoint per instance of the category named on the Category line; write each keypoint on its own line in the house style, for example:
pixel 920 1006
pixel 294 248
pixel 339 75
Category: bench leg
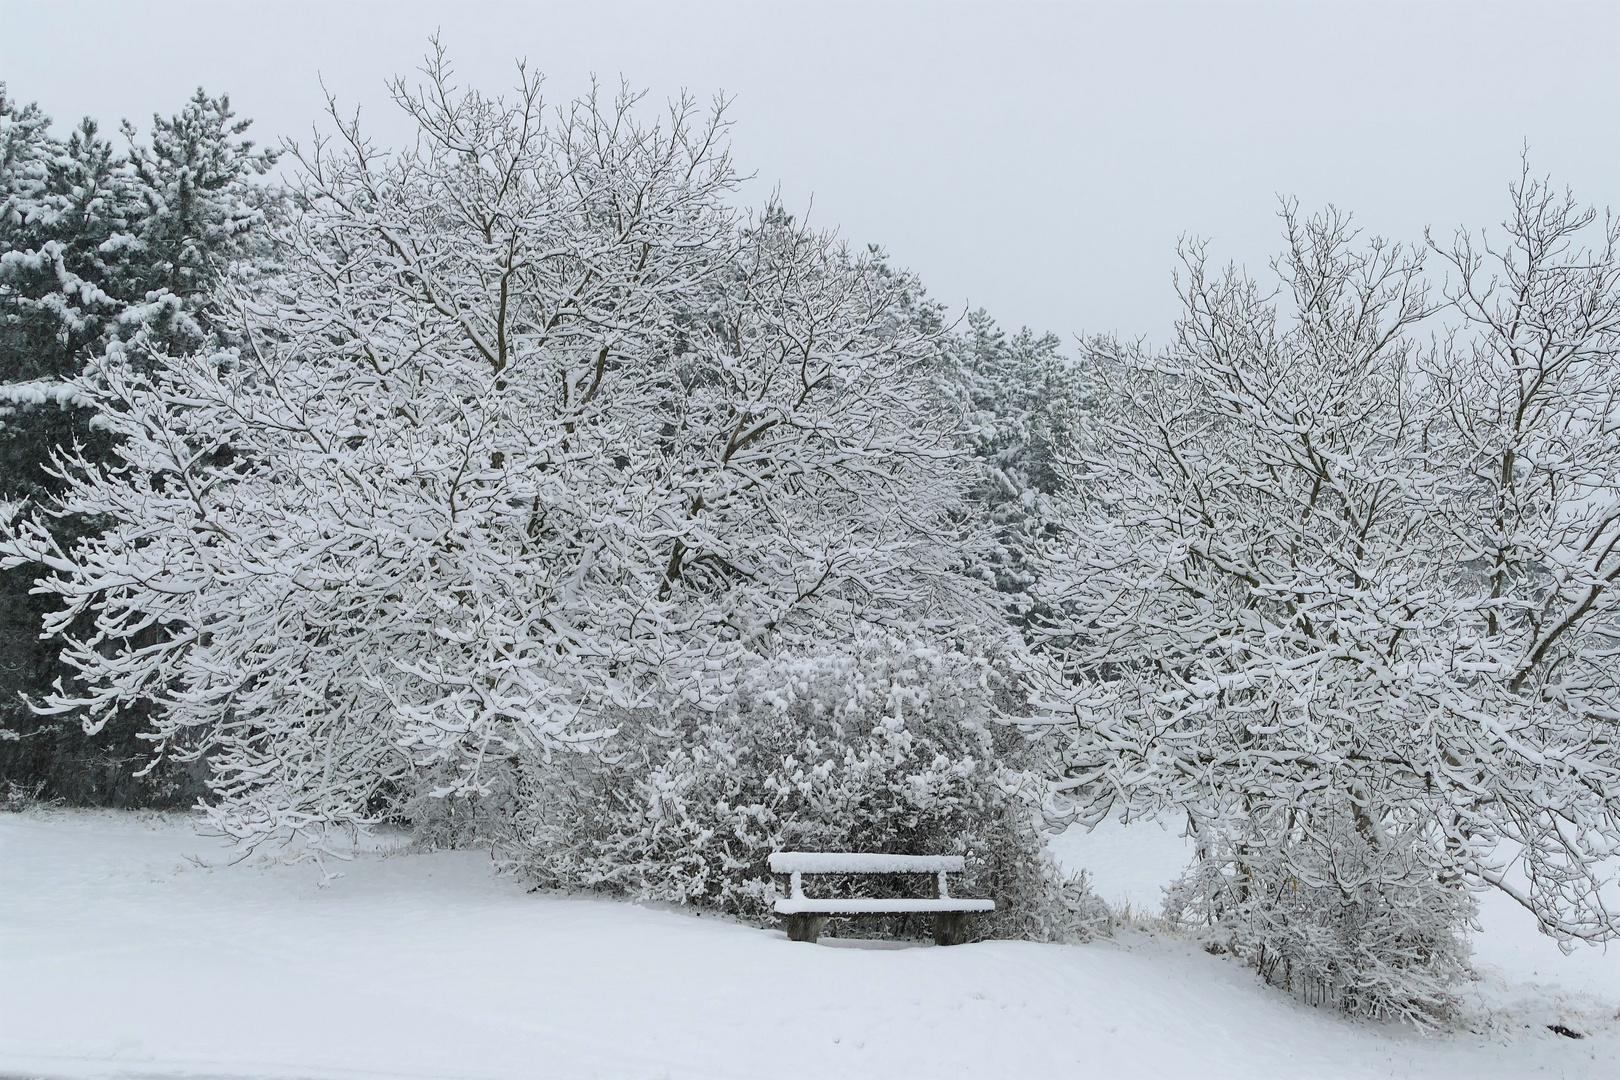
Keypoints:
pixel 805 927
pixel 951 927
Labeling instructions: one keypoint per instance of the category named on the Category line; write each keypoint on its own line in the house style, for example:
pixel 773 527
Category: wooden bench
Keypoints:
pixel 807 915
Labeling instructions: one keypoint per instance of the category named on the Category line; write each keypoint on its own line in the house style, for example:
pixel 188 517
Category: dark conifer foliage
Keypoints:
pixel 1027 411
pixel 99 246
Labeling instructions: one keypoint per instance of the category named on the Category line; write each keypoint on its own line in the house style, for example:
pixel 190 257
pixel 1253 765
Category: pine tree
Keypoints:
pixel 1026 410
pixel 97 248
pixel 200 208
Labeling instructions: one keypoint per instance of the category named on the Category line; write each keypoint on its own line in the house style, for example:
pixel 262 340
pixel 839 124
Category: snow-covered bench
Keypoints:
pixel 806 915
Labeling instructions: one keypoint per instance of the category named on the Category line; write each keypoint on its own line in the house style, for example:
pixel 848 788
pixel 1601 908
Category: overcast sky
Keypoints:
pixel 1038 160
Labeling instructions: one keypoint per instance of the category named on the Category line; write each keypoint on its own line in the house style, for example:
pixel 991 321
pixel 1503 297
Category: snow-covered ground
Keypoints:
pixel 120 956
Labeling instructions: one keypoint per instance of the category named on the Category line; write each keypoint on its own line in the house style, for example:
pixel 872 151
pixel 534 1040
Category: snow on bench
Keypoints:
pixel 856 862
pixel 806 915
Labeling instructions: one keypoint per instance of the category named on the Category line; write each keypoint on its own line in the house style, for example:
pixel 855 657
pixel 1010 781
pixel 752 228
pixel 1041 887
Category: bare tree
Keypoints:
pixel 1345 598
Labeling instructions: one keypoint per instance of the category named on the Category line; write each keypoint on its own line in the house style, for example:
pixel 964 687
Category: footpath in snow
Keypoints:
pixel 121 957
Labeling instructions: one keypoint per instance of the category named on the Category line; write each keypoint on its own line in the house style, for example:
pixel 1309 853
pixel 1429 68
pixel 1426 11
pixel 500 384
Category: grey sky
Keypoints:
pixel 1039 160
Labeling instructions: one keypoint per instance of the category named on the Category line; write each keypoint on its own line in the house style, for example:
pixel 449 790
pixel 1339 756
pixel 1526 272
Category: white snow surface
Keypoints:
pixel 122 957
pixel 861 862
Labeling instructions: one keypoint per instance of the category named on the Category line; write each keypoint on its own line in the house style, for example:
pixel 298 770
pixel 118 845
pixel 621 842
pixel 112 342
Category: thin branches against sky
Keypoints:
pixel 1040 160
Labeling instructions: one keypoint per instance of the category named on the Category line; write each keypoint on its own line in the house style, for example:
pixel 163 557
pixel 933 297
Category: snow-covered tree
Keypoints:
pixel 200 208
pixel 1345 599
pixel 528 430
pixel 68 206
pixel 1527 515
pixel 97 245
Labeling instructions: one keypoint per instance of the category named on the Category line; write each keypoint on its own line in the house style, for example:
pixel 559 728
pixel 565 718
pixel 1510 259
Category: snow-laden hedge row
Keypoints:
pixel 885 746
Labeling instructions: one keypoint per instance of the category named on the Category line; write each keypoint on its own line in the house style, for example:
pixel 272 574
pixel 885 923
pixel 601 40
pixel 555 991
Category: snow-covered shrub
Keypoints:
pixel 18 797
pixel 1335 916
pixel 884 746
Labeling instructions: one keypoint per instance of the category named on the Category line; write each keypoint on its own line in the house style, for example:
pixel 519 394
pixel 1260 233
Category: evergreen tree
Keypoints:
pixel 96 247
pixel 1025 408
pixel 200 209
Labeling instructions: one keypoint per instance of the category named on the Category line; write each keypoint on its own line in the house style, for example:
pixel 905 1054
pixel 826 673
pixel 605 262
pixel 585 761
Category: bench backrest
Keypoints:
pixel 855 862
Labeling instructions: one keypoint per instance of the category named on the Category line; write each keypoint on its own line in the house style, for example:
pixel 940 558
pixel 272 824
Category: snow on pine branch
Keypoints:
pixel 40 392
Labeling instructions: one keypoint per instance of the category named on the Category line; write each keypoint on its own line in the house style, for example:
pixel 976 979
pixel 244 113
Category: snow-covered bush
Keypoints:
pixel 884 746
pixel 1341 919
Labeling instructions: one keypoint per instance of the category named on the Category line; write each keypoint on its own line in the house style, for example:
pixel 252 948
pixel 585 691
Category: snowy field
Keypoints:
pixel 121 956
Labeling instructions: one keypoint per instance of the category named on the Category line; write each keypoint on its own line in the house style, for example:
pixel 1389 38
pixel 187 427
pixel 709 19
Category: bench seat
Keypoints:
pixel 806 915
pixel 858 862
pixel 813 906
